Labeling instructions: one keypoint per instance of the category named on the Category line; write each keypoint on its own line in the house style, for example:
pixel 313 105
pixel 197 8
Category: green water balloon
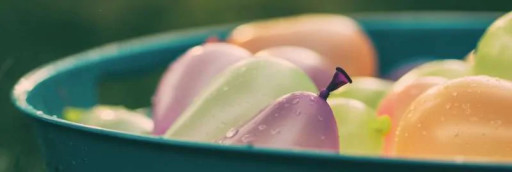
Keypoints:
pixel 360 130
pixel 494 50
pixel 236 95
pixel 369 90
pixel 447 68
pixel 111 117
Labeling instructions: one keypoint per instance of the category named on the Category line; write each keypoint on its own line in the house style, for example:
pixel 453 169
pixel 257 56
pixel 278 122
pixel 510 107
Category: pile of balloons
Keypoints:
pixel 279 83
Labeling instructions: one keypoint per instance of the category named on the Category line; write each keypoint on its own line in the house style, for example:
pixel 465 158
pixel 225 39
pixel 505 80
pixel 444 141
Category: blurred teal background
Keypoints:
pixel 34 32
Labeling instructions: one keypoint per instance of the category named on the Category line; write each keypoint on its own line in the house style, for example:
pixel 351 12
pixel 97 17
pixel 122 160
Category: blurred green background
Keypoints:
pixel 34 32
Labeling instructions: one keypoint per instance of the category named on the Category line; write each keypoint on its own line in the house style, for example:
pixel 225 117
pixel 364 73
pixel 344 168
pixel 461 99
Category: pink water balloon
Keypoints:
pixel 299 120
pixel 186 77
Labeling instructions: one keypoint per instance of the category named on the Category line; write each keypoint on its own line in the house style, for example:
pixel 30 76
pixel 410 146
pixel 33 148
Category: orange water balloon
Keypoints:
pixel 401 100
pixel 463 119
pixel 336 37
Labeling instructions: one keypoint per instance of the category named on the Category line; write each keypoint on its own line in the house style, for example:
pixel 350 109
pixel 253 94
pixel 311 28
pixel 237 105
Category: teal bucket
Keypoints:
pixel 126 73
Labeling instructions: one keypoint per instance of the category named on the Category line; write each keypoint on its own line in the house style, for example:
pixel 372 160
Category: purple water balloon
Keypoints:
pixel 186 77
pixel 316 66
pixel 299 120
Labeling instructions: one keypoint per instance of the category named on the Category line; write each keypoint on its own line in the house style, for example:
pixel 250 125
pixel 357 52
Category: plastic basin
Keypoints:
pixel 126 73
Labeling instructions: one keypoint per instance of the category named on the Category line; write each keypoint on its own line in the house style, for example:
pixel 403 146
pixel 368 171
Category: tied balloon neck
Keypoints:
pixel 339 79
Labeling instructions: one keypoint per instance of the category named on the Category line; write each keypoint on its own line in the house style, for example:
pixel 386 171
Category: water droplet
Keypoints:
pixel 276 114
pixel 296 101
pixel 73 162
pixel 419 125
pixel 448 106
pixel 442 119
pixel 312 100
pixel 225 88
pixel 247 138
pixel 496 122
pixel 40 112
pixel 322 137
pixel 424 133
pixel 262 127
pixel 456 134
pixel 298 112
pixel 221 141
pixel 320 118
pixel 454 94
pixel 412 107
pixel 231 132
pixel 275 131
pixel 406 134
